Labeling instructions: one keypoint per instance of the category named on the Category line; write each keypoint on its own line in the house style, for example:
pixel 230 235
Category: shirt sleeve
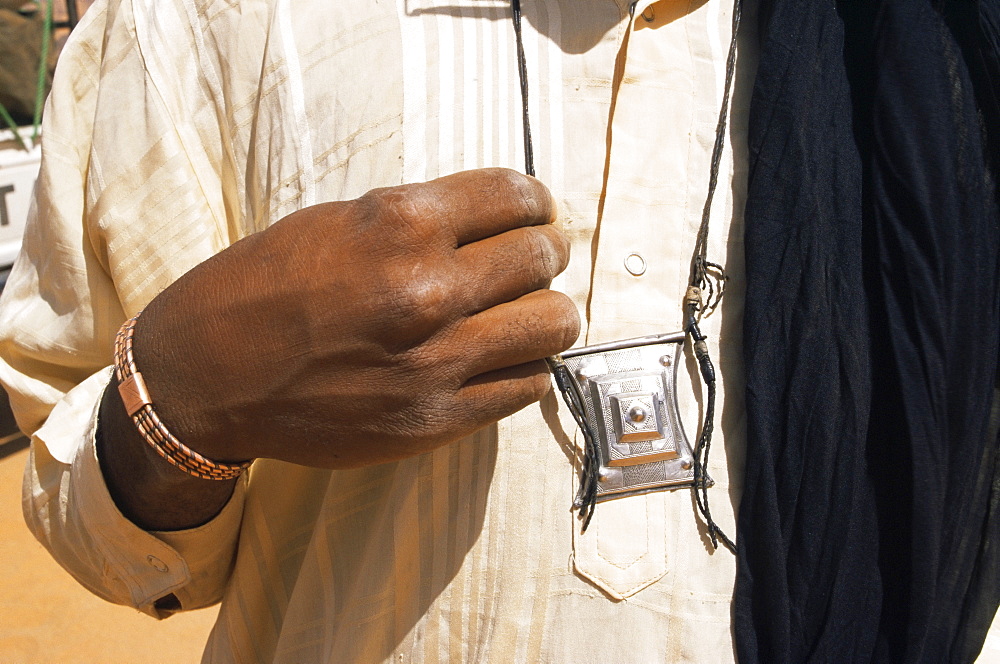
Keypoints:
pixel 128 198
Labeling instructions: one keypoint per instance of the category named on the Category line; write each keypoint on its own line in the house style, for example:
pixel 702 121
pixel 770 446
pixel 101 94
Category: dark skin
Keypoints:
pixel 347 334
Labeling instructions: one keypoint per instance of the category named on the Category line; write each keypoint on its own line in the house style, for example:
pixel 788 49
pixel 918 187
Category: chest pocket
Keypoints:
pixel 625 549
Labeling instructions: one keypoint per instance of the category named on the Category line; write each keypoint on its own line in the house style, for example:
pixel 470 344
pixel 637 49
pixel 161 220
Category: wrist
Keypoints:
pixel 149 491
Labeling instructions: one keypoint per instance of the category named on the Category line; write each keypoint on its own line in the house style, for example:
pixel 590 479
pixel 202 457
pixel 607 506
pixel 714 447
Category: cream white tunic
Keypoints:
pixel 177 127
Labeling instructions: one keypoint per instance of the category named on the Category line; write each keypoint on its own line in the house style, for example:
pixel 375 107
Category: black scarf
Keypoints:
pixel 868 530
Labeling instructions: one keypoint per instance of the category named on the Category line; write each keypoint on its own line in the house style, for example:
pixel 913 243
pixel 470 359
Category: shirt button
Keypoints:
pixel 157 564
pixel 635 264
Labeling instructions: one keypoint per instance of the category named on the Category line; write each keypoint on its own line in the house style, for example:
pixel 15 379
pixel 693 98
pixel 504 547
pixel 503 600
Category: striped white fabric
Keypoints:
pixel 177 127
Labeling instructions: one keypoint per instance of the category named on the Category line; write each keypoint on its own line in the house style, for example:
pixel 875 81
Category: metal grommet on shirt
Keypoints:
pixel 635 264
pixel 647 14
pixel 157 564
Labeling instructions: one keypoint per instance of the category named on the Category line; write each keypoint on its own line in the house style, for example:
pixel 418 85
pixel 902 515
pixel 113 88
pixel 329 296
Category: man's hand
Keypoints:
pixel 360 332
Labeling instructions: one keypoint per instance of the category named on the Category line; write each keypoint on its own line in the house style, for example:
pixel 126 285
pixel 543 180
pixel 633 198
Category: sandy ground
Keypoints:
pixel 45 616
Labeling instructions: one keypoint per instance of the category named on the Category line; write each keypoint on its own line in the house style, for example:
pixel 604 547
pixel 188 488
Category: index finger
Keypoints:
pixel 482 203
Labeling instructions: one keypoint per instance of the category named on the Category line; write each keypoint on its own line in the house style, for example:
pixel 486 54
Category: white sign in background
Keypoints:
pixel 18 171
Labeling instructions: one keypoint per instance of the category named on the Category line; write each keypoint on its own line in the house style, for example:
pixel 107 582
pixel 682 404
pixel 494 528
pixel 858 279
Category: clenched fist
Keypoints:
pixel 359 332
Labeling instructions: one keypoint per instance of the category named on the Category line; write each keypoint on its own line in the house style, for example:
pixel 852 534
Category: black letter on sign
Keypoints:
pixel 4 190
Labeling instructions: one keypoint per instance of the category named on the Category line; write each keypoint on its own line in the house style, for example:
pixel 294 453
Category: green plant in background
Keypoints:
pixel 13 126
pixel 40 86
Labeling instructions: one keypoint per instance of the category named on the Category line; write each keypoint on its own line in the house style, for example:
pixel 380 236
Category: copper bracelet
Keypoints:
pixel 139 406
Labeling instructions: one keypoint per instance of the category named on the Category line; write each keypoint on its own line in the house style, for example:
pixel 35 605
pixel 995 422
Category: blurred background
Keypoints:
pixel 45 616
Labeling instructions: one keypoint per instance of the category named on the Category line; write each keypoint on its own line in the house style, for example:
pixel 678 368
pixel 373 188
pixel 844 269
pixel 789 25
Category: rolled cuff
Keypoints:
pixel 69 508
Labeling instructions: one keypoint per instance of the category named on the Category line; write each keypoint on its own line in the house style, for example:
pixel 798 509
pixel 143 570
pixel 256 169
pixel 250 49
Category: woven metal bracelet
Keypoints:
pixel 139 406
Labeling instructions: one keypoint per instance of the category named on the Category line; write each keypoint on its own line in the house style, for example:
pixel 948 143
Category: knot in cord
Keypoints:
pixel 692 298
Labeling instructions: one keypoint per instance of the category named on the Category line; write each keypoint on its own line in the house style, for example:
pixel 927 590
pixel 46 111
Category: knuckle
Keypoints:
pixel 420 304
pixel 548 251
pixel 561 245
pixel 528 193
pixel 509 178
pixel 386 200
pixel 401 216
pixel 537 386
pixel 527 390
pixel 538 250
pixel 565 317
pixel 548 322
pixel 374 204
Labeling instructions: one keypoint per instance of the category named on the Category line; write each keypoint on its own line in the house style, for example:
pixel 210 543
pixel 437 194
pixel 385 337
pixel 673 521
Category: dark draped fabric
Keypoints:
pixel 868 530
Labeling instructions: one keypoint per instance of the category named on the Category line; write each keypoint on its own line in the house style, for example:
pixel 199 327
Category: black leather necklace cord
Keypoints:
pixel 695 305
pixel 522 73
pixel 705 276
